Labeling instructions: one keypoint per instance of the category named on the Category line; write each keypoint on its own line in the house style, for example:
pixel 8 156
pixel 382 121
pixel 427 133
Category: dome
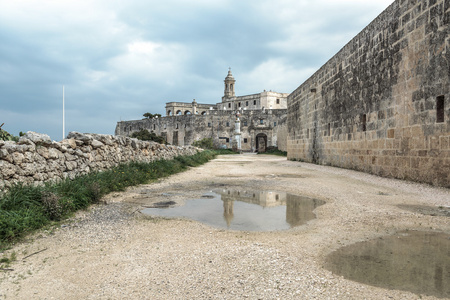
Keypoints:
pixel 229 76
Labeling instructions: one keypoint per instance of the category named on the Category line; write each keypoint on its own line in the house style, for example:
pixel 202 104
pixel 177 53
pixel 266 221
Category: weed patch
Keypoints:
pixel 274 151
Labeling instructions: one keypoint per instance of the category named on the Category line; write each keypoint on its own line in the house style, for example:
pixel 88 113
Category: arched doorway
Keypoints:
pixel 261 142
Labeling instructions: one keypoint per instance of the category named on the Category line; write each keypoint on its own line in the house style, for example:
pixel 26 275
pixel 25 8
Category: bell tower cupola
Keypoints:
pixel 229 85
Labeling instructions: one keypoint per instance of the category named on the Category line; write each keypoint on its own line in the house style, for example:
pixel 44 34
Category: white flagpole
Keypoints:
pixel 63 117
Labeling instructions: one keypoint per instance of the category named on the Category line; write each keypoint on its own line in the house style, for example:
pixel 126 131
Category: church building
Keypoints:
pixel 262 120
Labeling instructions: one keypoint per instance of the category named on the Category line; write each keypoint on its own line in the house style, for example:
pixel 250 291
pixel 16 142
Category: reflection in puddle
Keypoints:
pixel 417 262
pixel 242 210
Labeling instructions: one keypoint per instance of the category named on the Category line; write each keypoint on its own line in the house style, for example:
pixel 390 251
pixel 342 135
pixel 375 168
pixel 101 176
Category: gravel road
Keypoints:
pixel 113 251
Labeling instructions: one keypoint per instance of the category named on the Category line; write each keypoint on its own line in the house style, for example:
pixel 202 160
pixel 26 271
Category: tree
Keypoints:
pixel 151 116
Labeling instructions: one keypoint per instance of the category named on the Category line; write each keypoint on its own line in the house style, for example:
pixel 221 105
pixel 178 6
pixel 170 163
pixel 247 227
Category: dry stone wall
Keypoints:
pixel 36 159
pixel 382 104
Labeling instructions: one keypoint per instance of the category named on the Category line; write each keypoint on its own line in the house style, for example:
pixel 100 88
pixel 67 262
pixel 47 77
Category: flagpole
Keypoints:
pixel 63 117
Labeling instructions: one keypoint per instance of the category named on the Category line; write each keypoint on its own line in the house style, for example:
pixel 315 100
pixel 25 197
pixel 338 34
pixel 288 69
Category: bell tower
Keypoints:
pixel 229 86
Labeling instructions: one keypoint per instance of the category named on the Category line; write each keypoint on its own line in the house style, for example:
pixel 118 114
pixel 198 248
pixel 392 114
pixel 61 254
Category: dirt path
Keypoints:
pixel 114 252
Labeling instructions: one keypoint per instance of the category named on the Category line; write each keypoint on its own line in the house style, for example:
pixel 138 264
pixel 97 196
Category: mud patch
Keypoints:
pixel 418 262
pixel 245 162
pixel 295 176
pixel 439 211
pixel 162 204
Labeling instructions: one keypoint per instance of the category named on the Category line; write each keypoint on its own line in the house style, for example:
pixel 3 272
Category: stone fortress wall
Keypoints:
pixel 219 125
pixel 382 104
pixel 35 159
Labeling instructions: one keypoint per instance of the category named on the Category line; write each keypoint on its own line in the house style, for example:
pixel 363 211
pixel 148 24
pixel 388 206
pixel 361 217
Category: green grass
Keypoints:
pixel 24 209
pixel 225 151
pixel 274 151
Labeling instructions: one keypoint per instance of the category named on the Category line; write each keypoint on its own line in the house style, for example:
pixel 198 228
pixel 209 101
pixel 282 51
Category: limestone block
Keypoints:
pixel 29 157
pixel 54 153
pixel 42 151
pixel 69 143
pixel 17 157
pixel 70 157
pixel 97 144
pixel 25 141
pixel 4 155
pixel 71 165
pixel 28 169
pixel 135 143
pixel 85 138
pixel 105 139
pixel 7 169
pixel 36 138
pixel 64 148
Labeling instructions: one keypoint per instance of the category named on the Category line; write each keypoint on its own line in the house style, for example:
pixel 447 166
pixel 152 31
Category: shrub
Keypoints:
pixel 146 135
pixel 206 143
pixel 5 136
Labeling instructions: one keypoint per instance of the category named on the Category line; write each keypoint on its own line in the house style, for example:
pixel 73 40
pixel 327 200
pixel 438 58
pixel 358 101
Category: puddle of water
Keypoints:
pixel 418 262
pixel 243 210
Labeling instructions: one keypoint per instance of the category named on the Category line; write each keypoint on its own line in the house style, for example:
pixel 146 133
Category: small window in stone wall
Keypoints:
pixel 440 111
pixel 329 129
pixel 245 140
pixel 239 104
pixel 278 101
pixel 229 105
pixel 228 124
pixel 245 123
pixel 364 122
pixel 209 124
pixel 177 125
pixel 227 140
pixel 254 102
pixel 261 121
pixel 274 124
pixel 246 103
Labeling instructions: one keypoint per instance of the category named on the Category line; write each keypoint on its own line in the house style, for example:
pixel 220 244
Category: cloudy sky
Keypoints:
pixel 119 59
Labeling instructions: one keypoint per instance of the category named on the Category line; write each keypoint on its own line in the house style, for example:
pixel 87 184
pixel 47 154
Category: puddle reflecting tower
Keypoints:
pixel 228 213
